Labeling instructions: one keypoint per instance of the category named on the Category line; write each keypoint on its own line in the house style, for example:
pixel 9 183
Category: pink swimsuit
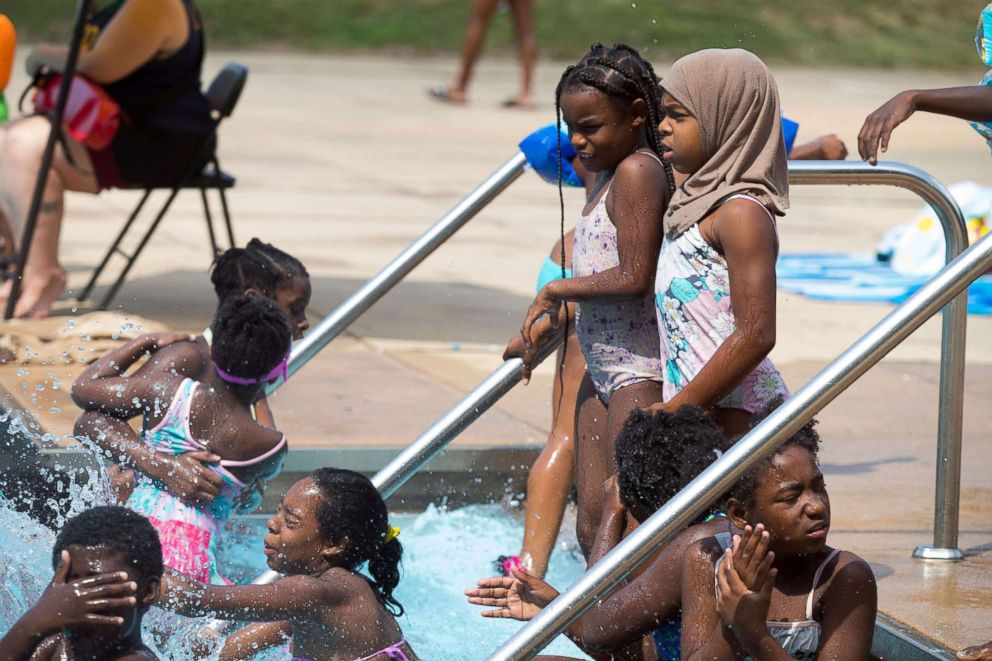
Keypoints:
pixel 619 340
pixel 189 533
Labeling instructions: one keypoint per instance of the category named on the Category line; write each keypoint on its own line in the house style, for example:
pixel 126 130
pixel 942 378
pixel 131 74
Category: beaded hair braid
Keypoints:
pixel 622 73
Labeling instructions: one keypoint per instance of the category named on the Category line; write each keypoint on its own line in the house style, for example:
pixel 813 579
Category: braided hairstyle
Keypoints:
pixel 354 516
pixel 258 265
pixel 251 336
pixel 621 73
pixel 659 454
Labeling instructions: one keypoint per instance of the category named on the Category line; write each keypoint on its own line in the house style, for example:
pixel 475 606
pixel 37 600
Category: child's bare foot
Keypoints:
pixel 39 293
pixel 448 94
pixel 977 653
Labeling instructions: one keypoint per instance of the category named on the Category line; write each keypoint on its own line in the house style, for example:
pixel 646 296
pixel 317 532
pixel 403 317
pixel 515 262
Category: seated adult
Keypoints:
pixel 146 54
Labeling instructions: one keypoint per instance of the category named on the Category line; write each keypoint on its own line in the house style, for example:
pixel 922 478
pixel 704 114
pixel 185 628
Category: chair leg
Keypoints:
pixel 137 251
pixel 227 217
pixel 214 250
pixel 115 247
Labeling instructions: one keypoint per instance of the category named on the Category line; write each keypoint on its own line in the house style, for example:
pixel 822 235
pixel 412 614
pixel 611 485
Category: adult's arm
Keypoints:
pixel 139 31
pixel 972 102
pixel 746 237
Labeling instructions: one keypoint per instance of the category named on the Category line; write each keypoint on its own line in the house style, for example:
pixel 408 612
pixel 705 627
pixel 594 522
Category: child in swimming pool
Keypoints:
pixel 251 343
pixel 259 269
pixel 326 527
pixel 609 101
pixel 781 592
pixel 715 285
pixel 108 564
pixel 657 455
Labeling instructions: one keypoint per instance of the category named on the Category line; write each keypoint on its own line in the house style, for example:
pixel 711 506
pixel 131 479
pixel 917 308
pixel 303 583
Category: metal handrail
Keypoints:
pixel 355 305
pixel 31 222
pixel 950 404
pixel 678 512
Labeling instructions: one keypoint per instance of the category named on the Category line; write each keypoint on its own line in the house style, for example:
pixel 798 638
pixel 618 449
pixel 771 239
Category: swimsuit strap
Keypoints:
pixel 259 458
pixel 745 196
pixel 816 582
pixel 650 152
pixel 392 652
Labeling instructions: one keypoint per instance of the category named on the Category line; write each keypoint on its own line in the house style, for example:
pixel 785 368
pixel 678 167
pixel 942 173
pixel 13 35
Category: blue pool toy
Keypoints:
pixel 789 131
pixel 541 150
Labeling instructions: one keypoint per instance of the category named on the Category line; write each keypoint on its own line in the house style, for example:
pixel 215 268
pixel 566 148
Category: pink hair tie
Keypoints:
pixel 281 369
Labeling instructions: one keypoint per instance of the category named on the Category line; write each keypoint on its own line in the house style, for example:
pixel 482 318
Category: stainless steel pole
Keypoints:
pixel 714 481
pixel 355 305
pixel 431 442
pixel 950 404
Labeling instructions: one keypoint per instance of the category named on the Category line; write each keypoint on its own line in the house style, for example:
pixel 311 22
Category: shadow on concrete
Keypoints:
pixel 425 311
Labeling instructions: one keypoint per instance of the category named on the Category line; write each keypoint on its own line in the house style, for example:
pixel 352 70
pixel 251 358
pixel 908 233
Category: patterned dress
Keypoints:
pixel 619 340
pixel 692 295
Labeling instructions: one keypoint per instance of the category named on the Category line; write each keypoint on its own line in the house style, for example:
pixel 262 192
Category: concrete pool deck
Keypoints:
pixel 342 161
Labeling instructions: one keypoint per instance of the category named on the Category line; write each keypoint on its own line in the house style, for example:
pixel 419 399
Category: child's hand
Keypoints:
pixel 84 601
pixel 879 125
pixel 546 303
pixel 611 497
pixel 742 609
pixel 187 476
pixel 515 348
pixel 751 555
pixel 518 597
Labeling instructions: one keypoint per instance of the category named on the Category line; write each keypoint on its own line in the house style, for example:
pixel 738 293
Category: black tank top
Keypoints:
pixel 161 94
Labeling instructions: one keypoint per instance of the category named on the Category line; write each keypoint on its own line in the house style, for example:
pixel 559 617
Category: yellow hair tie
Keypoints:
pixel 392 533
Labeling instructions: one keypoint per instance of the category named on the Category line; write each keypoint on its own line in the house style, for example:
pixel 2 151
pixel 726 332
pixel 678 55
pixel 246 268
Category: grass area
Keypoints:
pixel 897 33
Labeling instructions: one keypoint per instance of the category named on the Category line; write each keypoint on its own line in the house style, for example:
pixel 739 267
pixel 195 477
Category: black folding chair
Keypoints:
pixel 223 95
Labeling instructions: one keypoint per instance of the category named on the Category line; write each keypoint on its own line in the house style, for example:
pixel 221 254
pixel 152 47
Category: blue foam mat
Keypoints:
pixel 861 278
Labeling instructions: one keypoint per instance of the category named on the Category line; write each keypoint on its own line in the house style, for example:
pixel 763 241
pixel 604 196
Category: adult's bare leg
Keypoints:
pixel 475 34
pixel 523 21
pixel 20 163
pixel 550 478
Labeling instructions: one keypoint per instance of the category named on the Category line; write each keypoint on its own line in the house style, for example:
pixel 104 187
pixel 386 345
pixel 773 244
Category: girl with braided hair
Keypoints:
pixel 610 102
pixel 260 270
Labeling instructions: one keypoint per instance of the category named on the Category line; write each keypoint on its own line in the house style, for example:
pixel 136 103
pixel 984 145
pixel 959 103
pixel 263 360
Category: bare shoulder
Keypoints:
pixel 702 554
pixel 750 210
pixel 184 358
pixel 850 572
pixel 640 168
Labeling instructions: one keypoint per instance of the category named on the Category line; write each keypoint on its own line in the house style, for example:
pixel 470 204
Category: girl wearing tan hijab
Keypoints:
pixel 715 283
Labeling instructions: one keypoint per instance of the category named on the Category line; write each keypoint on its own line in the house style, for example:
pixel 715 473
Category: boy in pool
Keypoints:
pixel 108 564
pixel 327 526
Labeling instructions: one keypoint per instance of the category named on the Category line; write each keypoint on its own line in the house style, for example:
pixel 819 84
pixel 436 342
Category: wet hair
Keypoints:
pixel 251 335
pixel 806 438
pixel 258 265
pixel 659 454
pixel 119 530
pixel 354 515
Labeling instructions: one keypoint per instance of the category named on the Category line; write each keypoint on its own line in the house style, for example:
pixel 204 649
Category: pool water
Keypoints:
pixel 444 552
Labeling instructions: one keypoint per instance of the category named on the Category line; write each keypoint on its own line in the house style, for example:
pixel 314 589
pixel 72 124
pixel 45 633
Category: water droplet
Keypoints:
pixel 633 5
pixel 654 21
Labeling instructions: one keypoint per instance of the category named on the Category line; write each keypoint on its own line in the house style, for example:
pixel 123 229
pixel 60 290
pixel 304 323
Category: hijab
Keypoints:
pixel 733 96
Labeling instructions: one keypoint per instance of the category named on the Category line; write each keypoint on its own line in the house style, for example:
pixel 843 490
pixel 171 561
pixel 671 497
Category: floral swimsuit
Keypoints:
pixel 692 295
